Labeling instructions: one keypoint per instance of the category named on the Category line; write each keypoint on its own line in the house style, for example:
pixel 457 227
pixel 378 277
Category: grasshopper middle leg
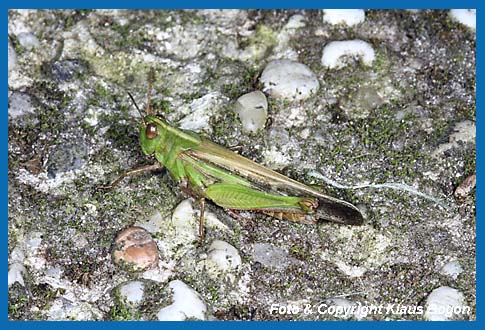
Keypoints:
pixel 201 218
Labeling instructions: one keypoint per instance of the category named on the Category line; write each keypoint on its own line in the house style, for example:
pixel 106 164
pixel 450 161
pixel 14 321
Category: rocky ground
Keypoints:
pixel 393 133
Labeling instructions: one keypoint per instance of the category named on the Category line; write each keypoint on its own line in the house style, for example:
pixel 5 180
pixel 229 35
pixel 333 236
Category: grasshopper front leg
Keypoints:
pixel 131 172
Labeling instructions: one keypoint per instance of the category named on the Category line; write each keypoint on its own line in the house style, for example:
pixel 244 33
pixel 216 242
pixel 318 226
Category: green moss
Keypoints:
pixel 161 106
pixel 19 49
pixel 189 97
pixel 265 35
pixel 470 162
pixel 214 293
pixel 235 90
pixel 18 303
pixel 222 126
pixel 375 136
pixel 130 36
pixel 232 91
pixel 260 43
pixel 300 252
pixel 121 312
pixel 71 17
pixel 121 68
pixel 189 17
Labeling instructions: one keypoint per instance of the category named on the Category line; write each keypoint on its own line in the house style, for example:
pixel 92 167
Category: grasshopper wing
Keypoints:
pixel 329 208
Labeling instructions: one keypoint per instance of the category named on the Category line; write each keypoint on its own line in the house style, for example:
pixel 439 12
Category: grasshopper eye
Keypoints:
pixel 151 131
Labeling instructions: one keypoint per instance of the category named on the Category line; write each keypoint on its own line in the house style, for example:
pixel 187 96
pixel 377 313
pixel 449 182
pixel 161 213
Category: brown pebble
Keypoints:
pixel 135 247
pixel 466 186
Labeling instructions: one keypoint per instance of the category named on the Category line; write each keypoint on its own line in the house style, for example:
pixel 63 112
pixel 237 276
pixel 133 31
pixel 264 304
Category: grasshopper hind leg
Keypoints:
pixel 299 217
pixel 340 212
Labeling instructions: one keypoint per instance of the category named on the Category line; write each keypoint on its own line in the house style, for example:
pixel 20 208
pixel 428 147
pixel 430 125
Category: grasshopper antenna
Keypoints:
pixel 149 96
pixel 136 106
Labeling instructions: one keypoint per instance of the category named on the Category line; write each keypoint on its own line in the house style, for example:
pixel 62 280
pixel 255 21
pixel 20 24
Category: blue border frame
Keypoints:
pixel 268 4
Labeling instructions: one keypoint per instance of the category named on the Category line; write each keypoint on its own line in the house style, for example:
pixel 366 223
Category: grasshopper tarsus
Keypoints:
pixel 128 173
pixel 236 215
pixel 201 219
pixel 235 148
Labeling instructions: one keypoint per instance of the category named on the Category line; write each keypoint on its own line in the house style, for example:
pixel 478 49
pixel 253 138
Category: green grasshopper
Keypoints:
pixel 205 170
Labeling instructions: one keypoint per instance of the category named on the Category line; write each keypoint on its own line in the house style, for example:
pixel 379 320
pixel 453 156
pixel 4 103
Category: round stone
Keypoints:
pixel 12 57
pixel 452 269
pixel 347 17
pixel 467 17
pixel 335 53
pixel 28 40
pixel 466 187
pixel 132 291
pixel 223 255
pixel 187 304
pixel 135 247
pixel 252 109
pixel 288 79
pixel 442 302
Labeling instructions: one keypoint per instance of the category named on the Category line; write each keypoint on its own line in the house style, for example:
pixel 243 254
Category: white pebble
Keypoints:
pixel 132 292
pixel 183 229
pixel 252 109
pixel 343 16
pixel 15 274
pixel 211 221
pixel 335 51
pixel 176 236
pixel 186 304
pixel 467 17
pixel 183 215
pixel 295 22
pixel 441 302
pixel 452 269
pixel 223 255
pixel 288 79
pixel 28 40
pixel 79 240
pixel 12 57
pixel 19 104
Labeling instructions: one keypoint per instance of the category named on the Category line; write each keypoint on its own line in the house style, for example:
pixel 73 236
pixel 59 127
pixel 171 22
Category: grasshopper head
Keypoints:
pixel 150 134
